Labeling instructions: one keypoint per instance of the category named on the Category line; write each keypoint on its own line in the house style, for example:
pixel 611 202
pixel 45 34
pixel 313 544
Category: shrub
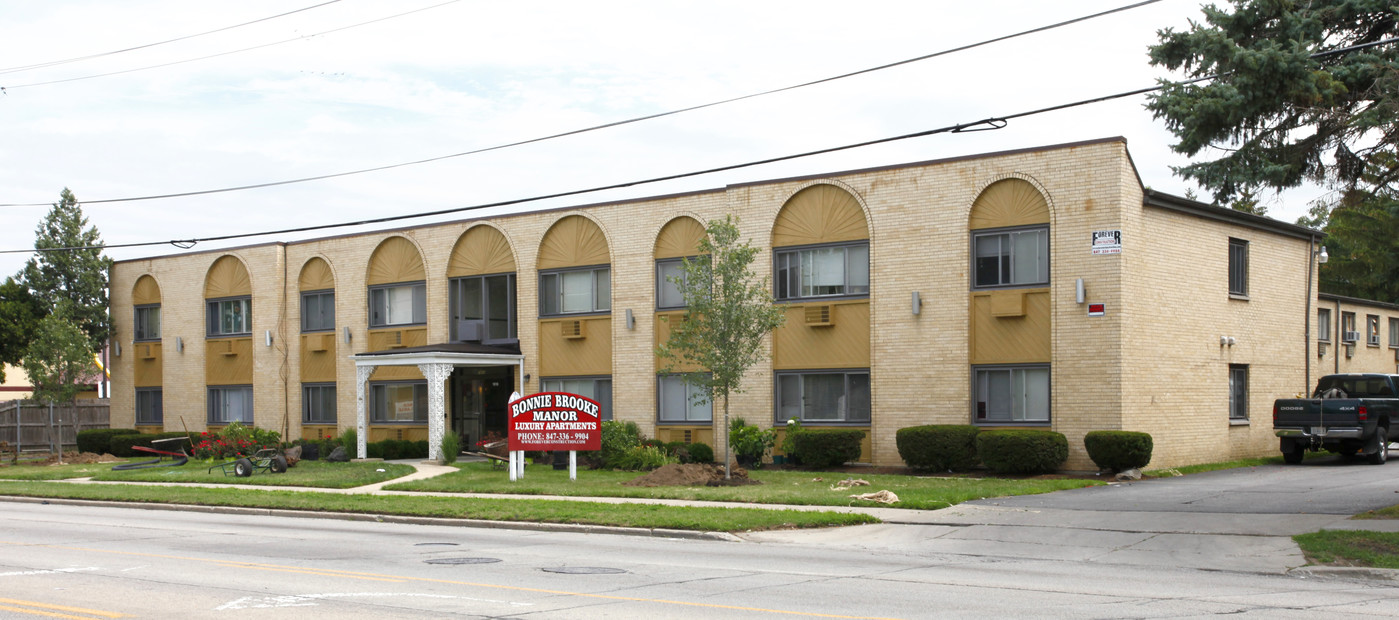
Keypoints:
pixel 416 450
pixel 451 446
pixel 939 447
pixel 700 452
pixel 827 447
pixel 643 458
pixel 99 440
pixel 789 446
pixel 1118 450
pixel 749 443
pixel 373 450
pixel 234 440
pixel 1023 452
pixel 121 445
pixel 618 438
pixel 348 440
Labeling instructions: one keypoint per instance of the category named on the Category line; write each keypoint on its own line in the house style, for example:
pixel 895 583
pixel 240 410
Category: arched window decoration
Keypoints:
pixel 821 246
pixel 574 271
pixel 481 288
pixel 397 285
pixel 228 291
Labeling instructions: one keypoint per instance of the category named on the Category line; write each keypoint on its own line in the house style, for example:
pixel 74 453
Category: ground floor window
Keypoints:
pixel 1238 391
pixel 398 402
pixel 824 396
pixel 230 403
pixel 318 403
pixel 596 388
pixel 1011 394
pixel 149 406
pixel 676 401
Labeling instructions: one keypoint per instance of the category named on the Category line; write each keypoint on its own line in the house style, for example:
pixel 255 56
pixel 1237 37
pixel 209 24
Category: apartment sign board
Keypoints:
pixel 555 421
pixel 1107 242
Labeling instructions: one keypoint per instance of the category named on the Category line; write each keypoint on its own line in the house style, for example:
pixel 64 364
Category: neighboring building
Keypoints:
pixel 17 386
pixel 1356 335
pixel 1038 288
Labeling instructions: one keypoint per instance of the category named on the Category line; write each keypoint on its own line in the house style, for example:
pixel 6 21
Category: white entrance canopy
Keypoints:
pixel 436 363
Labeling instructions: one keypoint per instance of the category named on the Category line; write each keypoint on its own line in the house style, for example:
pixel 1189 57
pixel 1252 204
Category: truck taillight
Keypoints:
pixel 1364 413
pixel 1275 413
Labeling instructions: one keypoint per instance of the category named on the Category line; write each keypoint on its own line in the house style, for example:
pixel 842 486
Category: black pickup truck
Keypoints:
pixel 1347 415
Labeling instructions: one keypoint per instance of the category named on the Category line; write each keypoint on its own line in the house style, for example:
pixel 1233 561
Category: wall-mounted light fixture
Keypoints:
pixel 631 320
pixel 179 344
pixel 526 377
pixel 267 337
pixel 116 349
pixel 917 304
pixel 347 334
pixel 1227 341
pixel 1079 292
pixel 1321 255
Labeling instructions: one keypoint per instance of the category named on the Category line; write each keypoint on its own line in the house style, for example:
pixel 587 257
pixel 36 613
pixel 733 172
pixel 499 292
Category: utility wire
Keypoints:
pixel 989 123
pixel 237 51
pixel 612 124
pixel 54 63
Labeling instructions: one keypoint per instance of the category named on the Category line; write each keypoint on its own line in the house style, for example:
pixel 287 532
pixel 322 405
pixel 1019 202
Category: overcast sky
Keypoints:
pixel 466 75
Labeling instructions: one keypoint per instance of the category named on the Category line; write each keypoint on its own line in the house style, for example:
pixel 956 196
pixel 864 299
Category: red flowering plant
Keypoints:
pixel 490 438
pixel 235 440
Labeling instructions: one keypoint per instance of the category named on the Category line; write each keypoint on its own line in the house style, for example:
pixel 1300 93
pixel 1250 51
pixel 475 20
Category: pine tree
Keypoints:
pixel 68 273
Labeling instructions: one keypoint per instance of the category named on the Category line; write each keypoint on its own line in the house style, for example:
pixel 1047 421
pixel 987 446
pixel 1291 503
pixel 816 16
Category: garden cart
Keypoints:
pixel 266 459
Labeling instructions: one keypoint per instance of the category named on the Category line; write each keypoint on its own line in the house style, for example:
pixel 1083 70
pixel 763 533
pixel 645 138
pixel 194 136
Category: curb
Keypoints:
pixel 356 516
pixel 1346 572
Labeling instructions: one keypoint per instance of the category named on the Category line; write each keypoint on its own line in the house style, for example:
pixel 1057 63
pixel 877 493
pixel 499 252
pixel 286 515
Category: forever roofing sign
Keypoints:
pixel 555 421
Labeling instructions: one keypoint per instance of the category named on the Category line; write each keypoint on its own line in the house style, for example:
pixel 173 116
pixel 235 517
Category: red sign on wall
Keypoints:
pixel 555 421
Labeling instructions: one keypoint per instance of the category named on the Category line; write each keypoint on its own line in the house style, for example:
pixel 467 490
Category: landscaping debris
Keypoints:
pixel 846 484
pixel 338 455
pixel 1131 474
pixel 883 497
pixel 292 454
pixel 691 475
pixel 76 458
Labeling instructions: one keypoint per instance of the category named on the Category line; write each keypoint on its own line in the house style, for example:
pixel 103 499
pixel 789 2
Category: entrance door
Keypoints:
pixel 479 399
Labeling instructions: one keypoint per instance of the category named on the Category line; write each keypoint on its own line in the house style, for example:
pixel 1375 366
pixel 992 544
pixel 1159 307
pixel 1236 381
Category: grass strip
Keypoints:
pixel 1350 548
pixel 779 487
pixel 305 474
pixel 1204 467
pixel 491 509
pixel 1391 512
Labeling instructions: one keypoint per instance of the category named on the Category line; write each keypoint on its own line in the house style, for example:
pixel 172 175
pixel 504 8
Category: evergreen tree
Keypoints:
pixel 58 360
pixel 729 310
pixel 20 313
pixel 72 279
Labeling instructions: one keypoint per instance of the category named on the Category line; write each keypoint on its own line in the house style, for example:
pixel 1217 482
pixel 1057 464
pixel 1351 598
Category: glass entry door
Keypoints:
pixel 480 395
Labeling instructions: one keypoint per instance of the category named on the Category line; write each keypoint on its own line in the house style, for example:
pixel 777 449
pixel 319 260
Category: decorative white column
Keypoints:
pixel 436 375
pixel 362 374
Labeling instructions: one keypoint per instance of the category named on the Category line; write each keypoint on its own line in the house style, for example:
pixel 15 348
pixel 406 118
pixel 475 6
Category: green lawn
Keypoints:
pixel 1351 548
pixel 304 474
pixel 491 509
pixel 779 487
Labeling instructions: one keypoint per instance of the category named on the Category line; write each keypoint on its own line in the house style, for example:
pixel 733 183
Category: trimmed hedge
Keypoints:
pixel 99 440
pixel 827 447
pixel 121 445
pixel 939 447
pixel 1118 450
pixel 1022 452
pixel 700 452
pixel 392 449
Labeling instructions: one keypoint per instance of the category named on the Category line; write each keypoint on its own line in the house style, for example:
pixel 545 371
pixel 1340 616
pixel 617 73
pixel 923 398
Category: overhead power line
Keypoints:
pixel 237 51
pixel 54 63
pixel 612 124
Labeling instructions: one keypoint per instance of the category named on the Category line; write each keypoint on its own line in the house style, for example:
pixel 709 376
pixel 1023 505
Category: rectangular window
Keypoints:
pixel 1348 333
pixel 824 397
pixel 1238 391
pixel 1012 395
pixel 575 291
pixel 318 403
pixel 230 403
pixel 488 302
pixel 668 293
pixel 398 304
pixel 1011 258
pixel 1372 330
pixel 317 311
pixel 826 271
pixel 229 317
pixel 1394 333
pixel 1238 267
pixel 400 402
pixel 150 407
pixel 596 388
pixel 147 323
pixel 1323 324
pixel 678 401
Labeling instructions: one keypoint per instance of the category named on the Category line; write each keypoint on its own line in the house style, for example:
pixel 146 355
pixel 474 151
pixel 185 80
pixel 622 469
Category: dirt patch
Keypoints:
pixel 76 458
pixel 692 475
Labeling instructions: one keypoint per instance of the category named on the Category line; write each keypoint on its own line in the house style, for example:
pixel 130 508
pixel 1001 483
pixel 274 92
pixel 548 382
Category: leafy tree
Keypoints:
pixel 75 278
pixel 20 312
pixel 58 360
pixel 1283 109
pixel 729 310
pixel 1363 244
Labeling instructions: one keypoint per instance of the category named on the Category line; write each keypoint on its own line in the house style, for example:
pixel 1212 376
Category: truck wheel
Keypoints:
pixel 1381 454
pixel 1292 455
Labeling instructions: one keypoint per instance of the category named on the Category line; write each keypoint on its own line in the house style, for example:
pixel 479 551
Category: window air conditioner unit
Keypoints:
pixel 317 342
pixel 572 330
pixel 146 352
pixel 1374 340
pixel 1351 336
pixel 819 316
pixel 1321 349
pixel 470 331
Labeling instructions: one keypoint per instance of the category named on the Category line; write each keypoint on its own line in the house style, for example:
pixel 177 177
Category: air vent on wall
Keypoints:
pixel 1351 336
pixel 819 316
pixel 572 330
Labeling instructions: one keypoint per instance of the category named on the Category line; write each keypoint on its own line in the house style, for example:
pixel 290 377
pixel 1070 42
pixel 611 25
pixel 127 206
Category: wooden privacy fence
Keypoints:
pixel 31 426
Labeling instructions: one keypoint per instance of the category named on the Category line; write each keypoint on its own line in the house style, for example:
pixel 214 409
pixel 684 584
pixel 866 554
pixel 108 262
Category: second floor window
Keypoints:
pixel 147 323
pixel 1010 258
pixel 1238 267
pixel 488 303
pixel 1323 324
pixel 575 291
pixel 1348 333
pixel 398 304
pixel 668 293
pixel 317 311
pixel 230 317
pixel 824 271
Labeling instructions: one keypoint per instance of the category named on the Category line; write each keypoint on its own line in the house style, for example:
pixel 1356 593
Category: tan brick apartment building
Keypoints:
pixel 1040 288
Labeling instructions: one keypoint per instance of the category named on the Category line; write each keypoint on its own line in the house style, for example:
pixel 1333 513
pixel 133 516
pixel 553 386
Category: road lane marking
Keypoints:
pixel 363 575
pixel 310 600
pixel 27 605
pixel 47 571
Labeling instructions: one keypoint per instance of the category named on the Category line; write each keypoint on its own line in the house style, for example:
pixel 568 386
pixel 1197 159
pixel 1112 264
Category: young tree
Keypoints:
pixel 76 277
pixel 1283 109
pixel 729 310
pixel 58 360
pixel 20 312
